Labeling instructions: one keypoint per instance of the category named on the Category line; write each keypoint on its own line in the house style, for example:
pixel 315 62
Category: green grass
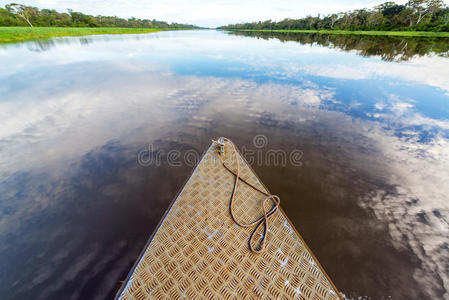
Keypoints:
pixel 392 33
pixel 19 34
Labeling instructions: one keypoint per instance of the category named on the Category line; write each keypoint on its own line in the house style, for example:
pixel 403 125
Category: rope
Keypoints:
pixel 263 220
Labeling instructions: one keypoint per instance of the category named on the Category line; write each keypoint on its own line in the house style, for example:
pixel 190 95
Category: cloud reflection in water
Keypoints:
pixel 77 208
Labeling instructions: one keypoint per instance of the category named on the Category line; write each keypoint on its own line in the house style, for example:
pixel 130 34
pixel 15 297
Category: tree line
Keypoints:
pixel 416 15
pixel 21 15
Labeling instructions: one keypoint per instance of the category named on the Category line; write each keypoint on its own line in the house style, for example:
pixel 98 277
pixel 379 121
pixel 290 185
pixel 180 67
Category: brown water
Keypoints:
pixel 79 196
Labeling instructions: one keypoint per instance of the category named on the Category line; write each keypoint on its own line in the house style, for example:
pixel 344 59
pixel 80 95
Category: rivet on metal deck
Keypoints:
pixel 198 252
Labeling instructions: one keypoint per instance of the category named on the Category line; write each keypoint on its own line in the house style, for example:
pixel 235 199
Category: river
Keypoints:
pixel 87 125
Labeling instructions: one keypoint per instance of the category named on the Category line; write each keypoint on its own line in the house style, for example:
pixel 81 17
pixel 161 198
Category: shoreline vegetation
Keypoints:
pixel 348 32
pixel 19 23
pixel 21 34
pixel 414 18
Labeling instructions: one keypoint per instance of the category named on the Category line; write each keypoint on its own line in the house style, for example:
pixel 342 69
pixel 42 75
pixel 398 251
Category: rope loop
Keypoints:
pixel 261 221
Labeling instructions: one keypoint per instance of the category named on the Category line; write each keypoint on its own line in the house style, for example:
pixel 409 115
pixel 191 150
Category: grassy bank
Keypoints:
pixel 386 33
pixel 18 34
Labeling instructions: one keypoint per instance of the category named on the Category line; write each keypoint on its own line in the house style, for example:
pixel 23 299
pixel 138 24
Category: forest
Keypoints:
pixel 415 15
pixel 21 15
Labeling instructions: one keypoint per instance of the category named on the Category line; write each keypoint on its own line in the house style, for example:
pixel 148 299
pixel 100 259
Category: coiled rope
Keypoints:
pixel 261 221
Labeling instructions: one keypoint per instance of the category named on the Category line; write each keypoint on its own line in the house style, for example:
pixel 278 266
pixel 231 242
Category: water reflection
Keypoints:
pixel 389 48
pixel 76 208
pixel 47 44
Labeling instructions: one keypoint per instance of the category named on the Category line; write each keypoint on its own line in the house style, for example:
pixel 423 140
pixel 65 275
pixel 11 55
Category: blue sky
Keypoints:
pixel 209 13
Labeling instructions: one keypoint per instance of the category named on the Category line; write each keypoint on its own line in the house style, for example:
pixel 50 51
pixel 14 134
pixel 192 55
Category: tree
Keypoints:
pixel 389 9
pixel 361 16
pixel 332 19
pixel 424 8
pixel 374 19
pixel 427 15
pixel 21 11
pixel 20 15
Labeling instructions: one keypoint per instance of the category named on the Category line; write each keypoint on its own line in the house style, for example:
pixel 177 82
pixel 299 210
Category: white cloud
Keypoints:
pixel 28 127
pixel 429 70
pixel 401 108
pixel 418 213
pixel 100 114
pixel 380 105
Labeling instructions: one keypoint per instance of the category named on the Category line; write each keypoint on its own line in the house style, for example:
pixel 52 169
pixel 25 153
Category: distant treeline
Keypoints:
pixel 21 15
pixel 419 15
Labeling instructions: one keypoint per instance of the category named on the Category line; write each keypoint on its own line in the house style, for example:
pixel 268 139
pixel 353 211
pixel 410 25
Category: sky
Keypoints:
pixel 207 13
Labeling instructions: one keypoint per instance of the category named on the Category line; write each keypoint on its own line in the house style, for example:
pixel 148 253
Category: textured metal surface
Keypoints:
pixel 198 252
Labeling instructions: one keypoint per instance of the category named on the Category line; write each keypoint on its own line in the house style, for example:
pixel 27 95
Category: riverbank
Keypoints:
pixel 19 34
pixel 359 32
